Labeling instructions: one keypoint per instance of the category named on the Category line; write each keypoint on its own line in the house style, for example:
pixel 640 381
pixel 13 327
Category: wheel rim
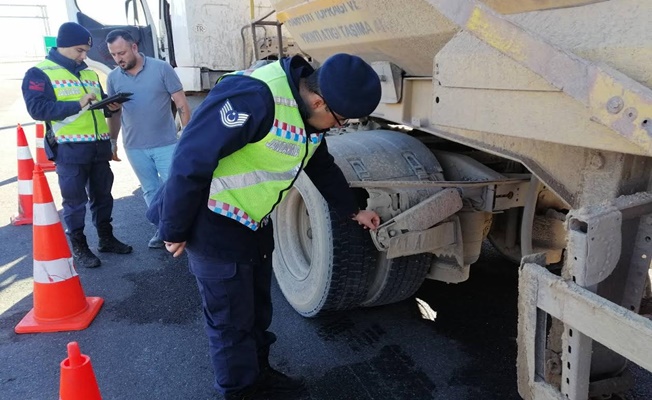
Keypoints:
pixel 297 214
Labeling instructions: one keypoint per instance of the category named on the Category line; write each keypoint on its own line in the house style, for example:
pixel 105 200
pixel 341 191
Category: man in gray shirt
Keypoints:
pixel 149 133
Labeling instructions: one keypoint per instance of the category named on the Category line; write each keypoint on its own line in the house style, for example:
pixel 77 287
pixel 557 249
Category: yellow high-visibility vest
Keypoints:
pixel 86 125
pixel 249 183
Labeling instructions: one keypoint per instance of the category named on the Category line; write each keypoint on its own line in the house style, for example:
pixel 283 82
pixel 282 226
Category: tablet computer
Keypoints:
pixel 116 98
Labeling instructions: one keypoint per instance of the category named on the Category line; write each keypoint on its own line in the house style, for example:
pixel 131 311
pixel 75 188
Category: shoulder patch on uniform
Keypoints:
pixel 230 117
pixel 39 86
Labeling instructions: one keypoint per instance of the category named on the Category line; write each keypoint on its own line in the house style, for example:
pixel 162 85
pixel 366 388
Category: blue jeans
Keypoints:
pixel 152 166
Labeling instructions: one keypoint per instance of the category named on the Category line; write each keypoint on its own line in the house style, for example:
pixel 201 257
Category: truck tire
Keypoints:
pixel 396 279
pixel 386 155
pixel 318 258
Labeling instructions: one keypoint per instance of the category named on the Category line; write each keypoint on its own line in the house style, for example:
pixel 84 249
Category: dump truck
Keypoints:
pixel 524 123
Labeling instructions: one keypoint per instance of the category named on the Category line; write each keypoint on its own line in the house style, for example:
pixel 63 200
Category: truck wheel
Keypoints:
pixel 396 279
pixel 318 257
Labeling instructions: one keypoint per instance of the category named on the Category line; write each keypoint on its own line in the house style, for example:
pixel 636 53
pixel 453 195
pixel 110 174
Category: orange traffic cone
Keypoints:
pixel 41 158
pixel 25 168
pixel 59 301
pixel 77 377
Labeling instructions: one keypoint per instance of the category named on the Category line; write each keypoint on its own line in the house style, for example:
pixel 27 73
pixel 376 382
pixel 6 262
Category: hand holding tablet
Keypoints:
pixel 116 98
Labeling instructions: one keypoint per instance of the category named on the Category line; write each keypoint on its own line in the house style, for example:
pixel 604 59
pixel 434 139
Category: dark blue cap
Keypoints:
pixel 72 34
pixel 350 87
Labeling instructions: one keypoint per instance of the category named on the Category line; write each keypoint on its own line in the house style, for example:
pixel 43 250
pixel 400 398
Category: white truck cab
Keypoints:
pixel 201 39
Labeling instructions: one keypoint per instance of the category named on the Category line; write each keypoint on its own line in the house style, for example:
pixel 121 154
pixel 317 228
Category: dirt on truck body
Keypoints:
pixel 539 115
pixel 525 123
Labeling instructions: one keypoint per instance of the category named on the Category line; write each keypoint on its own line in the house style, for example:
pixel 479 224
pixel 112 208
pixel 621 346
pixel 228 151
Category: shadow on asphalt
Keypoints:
pixel 8 181
pixel 382 353
pixel 17 250
pixel 481 315
pixel 467 352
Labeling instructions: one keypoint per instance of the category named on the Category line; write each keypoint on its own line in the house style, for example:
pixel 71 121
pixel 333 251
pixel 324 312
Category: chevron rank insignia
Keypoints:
pixel 232 118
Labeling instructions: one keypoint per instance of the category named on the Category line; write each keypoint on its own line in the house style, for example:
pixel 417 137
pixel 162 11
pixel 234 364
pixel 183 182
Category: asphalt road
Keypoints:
pixel 147 342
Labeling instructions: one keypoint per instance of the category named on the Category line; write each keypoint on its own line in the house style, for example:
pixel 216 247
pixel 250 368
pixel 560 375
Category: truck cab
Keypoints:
pixel 201 39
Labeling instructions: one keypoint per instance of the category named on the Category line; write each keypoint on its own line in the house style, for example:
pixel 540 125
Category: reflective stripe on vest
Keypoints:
pixel 85 126
pixel 252 178
pixel 249 183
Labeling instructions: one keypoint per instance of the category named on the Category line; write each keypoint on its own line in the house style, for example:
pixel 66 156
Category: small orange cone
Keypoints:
pixel 77 377
pixel 59 301
pixel 25 168
pixel 41 158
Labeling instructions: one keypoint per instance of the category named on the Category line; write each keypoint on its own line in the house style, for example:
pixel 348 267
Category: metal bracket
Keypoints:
pixel 391 81
pixel 421 217
pixel 510 195
pixel 623 331
pixel 595 236
pixel 593 251
pixel 426 241
pixel 595 240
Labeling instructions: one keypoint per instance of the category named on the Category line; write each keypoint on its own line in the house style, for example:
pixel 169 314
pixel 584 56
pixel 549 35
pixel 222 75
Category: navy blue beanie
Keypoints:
pixel 350 87
pixel 72 34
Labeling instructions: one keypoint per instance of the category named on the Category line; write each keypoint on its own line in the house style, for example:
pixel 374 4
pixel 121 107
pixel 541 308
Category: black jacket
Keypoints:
pixel 180 207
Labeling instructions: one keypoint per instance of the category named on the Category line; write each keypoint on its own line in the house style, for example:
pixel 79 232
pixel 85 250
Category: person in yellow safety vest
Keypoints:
pixel 59 91
pixel 238 157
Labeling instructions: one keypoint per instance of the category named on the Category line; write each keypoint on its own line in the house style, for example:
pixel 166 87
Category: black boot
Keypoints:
pixel 271 381
pixel 276 382
pixel 248 393
pixel 108 242
pixel 272 385
pixel 81 254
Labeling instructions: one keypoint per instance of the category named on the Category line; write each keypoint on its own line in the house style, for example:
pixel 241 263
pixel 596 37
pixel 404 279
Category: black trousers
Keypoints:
pixel 81 184
pixel 237 306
